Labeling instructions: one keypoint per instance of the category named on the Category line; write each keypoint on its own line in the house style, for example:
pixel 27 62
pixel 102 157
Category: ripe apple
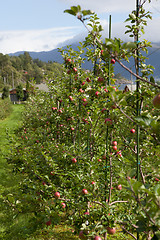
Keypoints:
pixel 82 236
pixel 63 205
pixel 105 89
pixel 75 69
pixel 70 97
pixel 84 191
pixel 88 80
pixel 119 187
pixel 100 79
pixel 96 93
pixel 156 101
pixel 97 238
pixel 111 230
pixel 119 153
pixel 72 128
pixel 84 100
pixel 114 147
pixel 68 60
pixel 57 195
pixel 114 143
pixel 156 179
pixel 99 160
pixel 113 61
pixel 74 160
pixel 132 130
pixel 86 213
pixel 83 83
pixel 48 223
pixel 81 90
pixel 85 103
pixel 92 182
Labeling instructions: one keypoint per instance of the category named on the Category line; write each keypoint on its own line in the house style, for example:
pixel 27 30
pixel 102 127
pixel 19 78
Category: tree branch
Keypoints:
pixel 134 74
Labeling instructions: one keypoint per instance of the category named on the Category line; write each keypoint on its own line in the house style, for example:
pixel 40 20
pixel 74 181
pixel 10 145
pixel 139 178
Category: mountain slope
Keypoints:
pixel 55 56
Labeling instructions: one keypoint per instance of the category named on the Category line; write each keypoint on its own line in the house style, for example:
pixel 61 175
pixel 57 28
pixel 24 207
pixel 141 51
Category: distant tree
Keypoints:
pixel 5 93
pixel 19 92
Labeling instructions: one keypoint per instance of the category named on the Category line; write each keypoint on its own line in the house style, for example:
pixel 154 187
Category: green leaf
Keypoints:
pixel 144 120
pixel 129 45
pixel 87 12
pixel 70 12
pixel 136 186
pixel 157 190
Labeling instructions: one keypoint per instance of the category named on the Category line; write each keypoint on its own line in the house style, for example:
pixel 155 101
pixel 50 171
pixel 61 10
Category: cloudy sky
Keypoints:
pixel 42 25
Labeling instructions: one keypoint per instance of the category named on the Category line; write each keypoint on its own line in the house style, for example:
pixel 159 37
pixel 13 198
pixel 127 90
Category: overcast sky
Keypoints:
pixel 38 25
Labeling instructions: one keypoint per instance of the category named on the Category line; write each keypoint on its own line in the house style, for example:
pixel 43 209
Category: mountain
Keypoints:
pixel 54 56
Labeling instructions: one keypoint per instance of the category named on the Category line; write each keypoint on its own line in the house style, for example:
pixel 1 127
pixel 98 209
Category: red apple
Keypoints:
pixel 57 195
pixel 132 130
pixel 93 182
pixel 105 89
pixel 48 223
pixel 156 101
pixel 88 80
pixel 68 60
pixel 100 79
pixel 85 103
pixel 114 143
pixel 81 90
pixel 86 213
pixel 83 83
pixel 75 69
pixel 74 160
pixel 70 97
pixel 114 147
pixel 156 179
pixel 82 236
pixel 119 153
pixel 113 61
pixel 84 191
pixel 119 187
pixel 111 230
pixel 96 93
pixel 99 160
pixel 63 205
pixel 97 238
pixel 84 100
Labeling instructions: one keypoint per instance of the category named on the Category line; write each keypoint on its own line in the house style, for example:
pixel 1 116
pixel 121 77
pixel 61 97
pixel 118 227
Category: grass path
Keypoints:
pixel 8 125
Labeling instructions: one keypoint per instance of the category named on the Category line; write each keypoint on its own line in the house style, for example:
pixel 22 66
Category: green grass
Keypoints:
pixel 8 125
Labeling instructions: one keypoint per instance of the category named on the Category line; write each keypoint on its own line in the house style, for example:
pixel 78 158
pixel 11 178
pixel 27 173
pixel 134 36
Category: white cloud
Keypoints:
pixel 110 6
pixel 118 30
pixel 34 40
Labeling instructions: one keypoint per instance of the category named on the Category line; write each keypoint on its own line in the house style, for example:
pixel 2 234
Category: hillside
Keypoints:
pixel 55 56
